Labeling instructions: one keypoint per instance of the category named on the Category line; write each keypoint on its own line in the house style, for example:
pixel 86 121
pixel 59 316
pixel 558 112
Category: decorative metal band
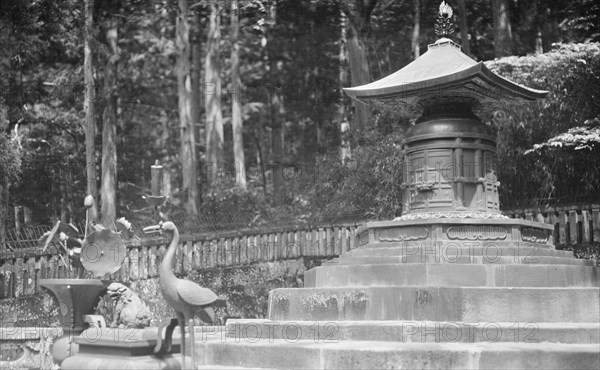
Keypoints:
pixel 403 234
pixel 529 234
pixel 464 214
pixel 363 238
pixel 472 232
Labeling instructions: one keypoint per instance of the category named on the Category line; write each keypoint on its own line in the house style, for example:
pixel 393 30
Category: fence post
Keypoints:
pixel 237 247
pixel 348 232
pixel 32 281
pixel 573 229
pixel 202 253
pixel 271 243
pixel 302 243
pixel 2 282
pixel 243 241
pixel 143 264
pixel 5 270
pixel 258 248
pixel 596 224
pixel 562 224
pixel 134 260
pixel 227 247
pixel 352 238
pixel 293 244
pixel 329 242
pixel 277 246
pixel 585 229
pixel 187 257
pixel 41 273
pixel 313 244
pixel 18 271
pixel 195 255
pixel 283 244
pixel 341 242
pixel 152 269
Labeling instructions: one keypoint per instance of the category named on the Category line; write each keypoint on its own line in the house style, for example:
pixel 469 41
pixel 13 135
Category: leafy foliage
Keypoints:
pixel 41 93
pixel 370 183
pixel 576 138
pixel 571 74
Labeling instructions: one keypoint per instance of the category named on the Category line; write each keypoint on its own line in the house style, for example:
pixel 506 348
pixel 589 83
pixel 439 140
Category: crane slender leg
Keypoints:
pixel 169 334
pixel 181 320
pixel 159 339
pixel 192 341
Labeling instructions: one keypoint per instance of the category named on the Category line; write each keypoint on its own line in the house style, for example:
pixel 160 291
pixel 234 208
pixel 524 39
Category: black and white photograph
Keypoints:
pixel 299 184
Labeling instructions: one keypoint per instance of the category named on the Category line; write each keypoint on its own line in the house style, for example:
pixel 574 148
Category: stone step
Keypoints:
pixel 452 274
pixel 465 304
pixel 252 330
pixel 491 259
pixel 490 249
pixel 282 354
pixel 225 367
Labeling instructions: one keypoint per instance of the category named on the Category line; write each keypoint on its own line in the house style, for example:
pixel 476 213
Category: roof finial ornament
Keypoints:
pixel 443 24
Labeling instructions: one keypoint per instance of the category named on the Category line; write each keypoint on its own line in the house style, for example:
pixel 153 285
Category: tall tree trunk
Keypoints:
pixel 196 94
pixel 416 36
pixel 89 106
pixel 359 13
pixel 464 31
pixel 186 125
pixel 212 76
pixel 236 99
pixel 260 161
pixel 108 191
pixel 345 152
pixel 3 210
pixel 64 193
pixel 3 179
pixel 502 30
pixel 274 112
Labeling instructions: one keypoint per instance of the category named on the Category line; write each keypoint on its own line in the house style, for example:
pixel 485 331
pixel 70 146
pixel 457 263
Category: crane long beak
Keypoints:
pixel 152 229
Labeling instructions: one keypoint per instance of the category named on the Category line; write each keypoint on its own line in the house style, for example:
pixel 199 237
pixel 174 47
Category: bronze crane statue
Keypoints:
pixel 186 297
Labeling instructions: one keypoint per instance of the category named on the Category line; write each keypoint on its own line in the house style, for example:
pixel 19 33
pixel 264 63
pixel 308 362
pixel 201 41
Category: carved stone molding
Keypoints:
pixel 403 234
pixel 462 214
pixel 474 232
pixel 529 234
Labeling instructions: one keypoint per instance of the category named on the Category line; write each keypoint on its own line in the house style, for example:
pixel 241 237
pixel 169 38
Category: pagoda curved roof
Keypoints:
pixel 444 70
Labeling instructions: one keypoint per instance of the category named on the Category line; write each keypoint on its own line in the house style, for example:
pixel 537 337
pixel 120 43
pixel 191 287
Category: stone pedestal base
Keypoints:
pixel 103 348
pixel 433 291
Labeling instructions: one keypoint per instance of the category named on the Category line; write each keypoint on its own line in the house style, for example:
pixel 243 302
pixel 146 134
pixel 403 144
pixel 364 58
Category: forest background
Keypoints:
pixel 241 101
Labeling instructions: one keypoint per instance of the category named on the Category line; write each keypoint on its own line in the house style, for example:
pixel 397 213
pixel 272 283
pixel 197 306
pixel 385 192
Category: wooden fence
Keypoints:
pixel 21 270
pixel 575 224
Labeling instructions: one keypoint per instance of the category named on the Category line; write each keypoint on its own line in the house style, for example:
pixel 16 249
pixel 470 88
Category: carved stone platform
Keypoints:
pixel 429 293
pixel 458 231
pixel 107 348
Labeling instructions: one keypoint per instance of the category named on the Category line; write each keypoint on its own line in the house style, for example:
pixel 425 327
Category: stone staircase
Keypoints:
pixel 500 305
